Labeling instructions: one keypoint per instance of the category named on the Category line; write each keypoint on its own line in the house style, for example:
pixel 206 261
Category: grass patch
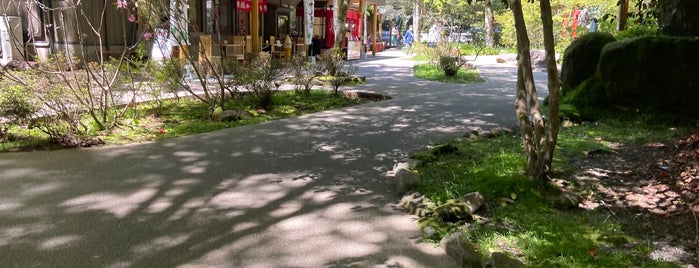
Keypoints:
pixel 530 228
pixel 352 81
pixel 606 136
pixel 470 49
pixel 433 73
pixel 420 57
pixel 186 116
pixel 25 139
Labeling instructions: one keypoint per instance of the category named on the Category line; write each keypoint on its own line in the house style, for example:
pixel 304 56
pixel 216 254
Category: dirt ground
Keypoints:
pixel 652 191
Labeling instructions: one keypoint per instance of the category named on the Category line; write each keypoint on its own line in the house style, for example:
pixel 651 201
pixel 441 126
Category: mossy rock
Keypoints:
pixel 580 59
pixel 445 219
pixel 567 200
pixel 444 149
pixel 417 204
pixel 654 73
pixel 453 211
pixel 586 100
pixel 434 153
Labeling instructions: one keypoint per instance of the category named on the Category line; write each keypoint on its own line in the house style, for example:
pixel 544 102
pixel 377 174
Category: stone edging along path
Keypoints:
pixel 456 245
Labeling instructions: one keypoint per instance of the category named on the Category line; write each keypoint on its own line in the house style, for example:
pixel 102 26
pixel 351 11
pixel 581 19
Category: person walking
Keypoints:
pixel 432 35
pixel 408 37
pixel 394 36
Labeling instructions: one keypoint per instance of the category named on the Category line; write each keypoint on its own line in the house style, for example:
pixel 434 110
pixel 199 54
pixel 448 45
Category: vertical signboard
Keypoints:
pixel 308 11
pixel 10 30
pixel 354 50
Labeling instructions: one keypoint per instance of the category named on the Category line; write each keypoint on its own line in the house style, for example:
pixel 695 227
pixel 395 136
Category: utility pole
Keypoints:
pixel 416 21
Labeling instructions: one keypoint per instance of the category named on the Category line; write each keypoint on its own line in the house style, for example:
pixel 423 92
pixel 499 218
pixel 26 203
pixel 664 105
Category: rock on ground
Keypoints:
pixel 501 260
pixel 406 180
pixel 461 250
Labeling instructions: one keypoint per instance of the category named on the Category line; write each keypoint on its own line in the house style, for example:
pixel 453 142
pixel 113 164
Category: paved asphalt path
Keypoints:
pixel 309 191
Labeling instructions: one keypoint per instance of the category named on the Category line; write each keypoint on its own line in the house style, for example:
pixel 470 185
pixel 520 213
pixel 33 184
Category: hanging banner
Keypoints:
pixel 330 28
pixel 262 6
pixel 336 26
pixel 246 5
pixel 308 19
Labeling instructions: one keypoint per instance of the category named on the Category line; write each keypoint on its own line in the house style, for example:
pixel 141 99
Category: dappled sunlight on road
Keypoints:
pixel 58 242
pixel 119 205
pixel 152 211
pixel 251 192
pixel 309 191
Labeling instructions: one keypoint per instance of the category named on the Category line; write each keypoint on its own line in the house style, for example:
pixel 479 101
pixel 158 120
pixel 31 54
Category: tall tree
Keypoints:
pixel 416 20
pixel 489 24
pixel 539 142
pixel 341 19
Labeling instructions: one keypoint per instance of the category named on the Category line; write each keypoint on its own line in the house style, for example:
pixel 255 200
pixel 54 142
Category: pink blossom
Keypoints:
pixel 132 18
pixel 147 35
pixel 122 4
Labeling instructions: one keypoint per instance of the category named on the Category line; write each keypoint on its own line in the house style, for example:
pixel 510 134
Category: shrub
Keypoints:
pixel 304 73
pixel 448 58
pixel 450 65
pixel 332 61
pixel 259 78
pixel 637 31
pixel 338 70
pixel 61 114
pixel 17 103
pixel 17 106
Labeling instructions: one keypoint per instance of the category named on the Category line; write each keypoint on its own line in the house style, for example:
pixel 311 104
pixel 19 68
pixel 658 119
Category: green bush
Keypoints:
pixel 304 73
pixel 338 70
pixel 260 79
pixel 17 106
pixel 471 49
pixel 17 103
pixel 448 58
pixel 450 65
pixel 637 31
pixel 429 71
pixel 423 52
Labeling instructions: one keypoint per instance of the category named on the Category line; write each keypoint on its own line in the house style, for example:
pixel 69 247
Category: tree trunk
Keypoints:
pixel 341 19
pixel 675 17
pixel 489 24
pixel 527 103
pixel 554 85
pixel 416 22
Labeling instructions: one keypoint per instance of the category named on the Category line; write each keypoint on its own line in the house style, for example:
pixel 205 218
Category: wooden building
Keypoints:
pixel 95 29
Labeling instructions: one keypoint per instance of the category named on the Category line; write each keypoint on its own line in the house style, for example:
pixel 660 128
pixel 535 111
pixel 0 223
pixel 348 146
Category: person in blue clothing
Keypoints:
pixel 408 37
